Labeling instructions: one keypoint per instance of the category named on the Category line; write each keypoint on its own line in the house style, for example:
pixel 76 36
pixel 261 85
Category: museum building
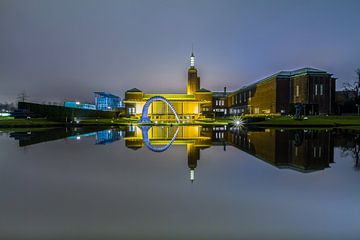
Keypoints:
pixel 194 104
pixel 312 88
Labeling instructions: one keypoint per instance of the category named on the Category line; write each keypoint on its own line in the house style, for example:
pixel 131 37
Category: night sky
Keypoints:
pixel 65 50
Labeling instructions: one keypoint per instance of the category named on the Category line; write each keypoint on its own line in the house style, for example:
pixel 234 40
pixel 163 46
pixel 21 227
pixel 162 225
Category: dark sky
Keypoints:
pixel 57 50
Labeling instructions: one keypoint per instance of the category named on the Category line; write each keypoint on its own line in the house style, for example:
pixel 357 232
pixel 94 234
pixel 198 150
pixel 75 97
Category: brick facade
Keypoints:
pixel 313 88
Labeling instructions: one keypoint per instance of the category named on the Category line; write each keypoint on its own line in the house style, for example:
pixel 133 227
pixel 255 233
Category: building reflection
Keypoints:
pixel 300 150
pixel 109 136
pixel 193 137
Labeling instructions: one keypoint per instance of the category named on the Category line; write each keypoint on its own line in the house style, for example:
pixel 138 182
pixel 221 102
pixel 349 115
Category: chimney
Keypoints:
pixel 224 90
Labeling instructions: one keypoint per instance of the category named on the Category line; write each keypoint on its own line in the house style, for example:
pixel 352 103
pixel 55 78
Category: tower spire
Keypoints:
pixel 192 57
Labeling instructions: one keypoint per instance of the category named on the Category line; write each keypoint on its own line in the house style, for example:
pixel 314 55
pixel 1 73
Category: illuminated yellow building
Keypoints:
pixel 194 104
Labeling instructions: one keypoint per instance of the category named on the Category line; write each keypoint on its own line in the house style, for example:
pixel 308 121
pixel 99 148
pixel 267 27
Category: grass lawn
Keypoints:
pixel 311 121
pixel 321 121
pixel 36 122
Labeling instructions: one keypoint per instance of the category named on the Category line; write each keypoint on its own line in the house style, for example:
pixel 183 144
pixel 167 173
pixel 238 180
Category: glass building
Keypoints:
pixel 107 101
pixel 80 105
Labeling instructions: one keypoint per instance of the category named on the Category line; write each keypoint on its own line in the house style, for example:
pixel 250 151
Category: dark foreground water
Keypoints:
pixel 211 183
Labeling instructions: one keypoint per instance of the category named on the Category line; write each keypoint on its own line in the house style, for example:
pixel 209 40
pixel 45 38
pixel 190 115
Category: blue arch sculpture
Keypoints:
pixel 145 137
pixel 145 112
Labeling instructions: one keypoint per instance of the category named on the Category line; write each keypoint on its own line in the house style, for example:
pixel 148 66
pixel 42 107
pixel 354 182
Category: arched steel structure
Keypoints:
pixel 145 112
pixel 145 137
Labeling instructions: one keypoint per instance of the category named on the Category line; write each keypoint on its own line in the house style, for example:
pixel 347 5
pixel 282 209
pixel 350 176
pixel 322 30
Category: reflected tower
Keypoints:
pixel 193 156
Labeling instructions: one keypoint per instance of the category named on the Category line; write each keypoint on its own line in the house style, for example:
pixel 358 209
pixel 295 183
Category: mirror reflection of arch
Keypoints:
pixel 145 111
pixel 145 137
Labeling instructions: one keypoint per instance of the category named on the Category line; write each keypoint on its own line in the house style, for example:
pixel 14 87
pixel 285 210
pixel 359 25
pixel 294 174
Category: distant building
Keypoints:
pixel 107 102
pixel 313 88
pixel 80 105
pixel 220 103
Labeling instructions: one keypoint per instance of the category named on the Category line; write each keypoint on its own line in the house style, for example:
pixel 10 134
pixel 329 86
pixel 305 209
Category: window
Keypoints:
pixel 240 97
pixel 316 89
pixel 297 90
pixel 217 103
pixel 321 89
pixel 249 95
pixel 131 110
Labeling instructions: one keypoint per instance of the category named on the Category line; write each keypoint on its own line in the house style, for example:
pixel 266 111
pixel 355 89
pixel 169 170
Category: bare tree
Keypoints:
pixel 22 97
pixel 357 84
pixel 351 93
pixel 357 90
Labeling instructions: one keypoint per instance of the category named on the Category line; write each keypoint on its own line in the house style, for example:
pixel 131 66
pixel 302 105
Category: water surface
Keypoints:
pixel 210 183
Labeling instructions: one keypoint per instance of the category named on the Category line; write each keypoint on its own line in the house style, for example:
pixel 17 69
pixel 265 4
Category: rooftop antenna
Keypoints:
pixel 192 57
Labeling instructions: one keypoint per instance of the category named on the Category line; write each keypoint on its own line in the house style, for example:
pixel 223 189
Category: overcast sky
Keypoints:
pixel 57 50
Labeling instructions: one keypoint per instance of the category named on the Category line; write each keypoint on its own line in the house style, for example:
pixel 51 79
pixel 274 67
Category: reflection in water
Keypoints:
pixel 301 150
pixel 75 186
pixel 145 138
pixel 108 136
pixel 298 149
pixel 350 148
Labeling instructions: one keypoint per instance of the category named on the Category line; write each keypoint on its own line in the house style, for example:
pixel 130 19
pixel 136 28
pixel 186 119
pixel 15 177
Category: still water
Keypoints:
pixel 173 183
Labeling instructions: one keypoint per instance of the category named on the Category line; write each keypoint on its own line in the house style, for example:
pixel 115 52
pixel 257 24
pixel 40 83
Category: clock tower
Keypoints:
pixel 193 79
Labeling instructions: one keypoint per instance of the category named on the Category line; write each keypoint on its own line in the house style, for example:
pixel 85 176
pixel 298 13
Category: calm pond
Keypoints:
pixel 173 183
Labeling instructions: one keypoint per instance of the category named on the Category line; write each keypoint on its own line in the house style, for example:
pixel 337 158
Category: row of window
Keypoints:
pixel 318 90
pixel 237 110
pixel 241 97
pixel 316 153
pixel 219 103
pixel 219 135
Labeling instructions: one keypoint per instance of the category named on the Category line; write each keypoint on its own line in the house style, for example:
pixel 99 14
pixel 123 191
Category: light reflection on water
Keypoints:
pixel 255 183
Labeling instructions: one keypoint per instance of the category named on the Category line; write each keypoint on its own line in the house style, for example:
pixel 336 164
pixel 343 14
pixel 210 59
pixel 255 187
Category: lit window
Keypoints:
pixel 316 89
pixel 297 90
pixel 249 95
pixel 321 89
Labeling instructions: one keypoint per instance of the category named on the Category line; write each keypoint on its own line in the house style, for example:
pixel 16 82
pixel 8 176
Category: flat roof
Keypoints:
pixel 285 74
pixel 171 96
pixel 106 94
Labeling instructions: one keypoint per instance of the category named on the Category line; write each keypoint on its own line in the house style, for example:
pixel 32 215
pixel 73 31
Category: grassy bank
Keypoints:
pixel 38 122
pixel 330 121
pixel 6 122
pixel 281 121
